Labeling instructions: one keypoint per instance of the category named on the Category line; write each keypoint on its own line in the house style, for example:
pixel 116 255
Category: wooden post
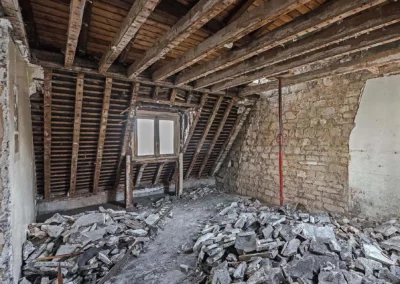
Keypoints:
pixel 47 132
pixel 179 190
pixel 140 173
pixel 129 182
pixel 77 131
pixel 102 134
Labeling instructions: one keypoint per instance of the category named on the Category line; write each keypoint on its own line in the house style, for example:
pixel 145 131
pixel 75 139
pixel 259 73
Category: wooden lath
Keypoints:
pixel 74 28
pixel 203 138
pixel 200 14
pixel 248 22
pixel 137 15
pixel 102 134
pixel 47 132
pixel 77 132
pixel 216 136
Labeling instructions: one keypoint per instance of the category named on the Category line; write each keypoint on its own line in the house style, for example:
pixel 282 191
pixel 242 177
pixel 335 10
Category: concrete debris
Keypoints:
pixel 90 243
pixel 246 242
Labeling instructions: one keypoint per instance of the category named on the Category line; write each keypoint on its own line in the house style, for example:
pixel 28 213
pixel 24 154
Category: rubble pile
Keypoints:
pixel 194 193
pixel 86 245
pixel 250 243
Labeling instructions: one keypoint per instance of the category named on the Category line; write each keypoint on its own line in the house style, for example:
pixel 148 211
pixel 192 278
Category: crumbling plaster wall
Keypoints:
pixel 374 169
pixel 17 185
pixel 318 118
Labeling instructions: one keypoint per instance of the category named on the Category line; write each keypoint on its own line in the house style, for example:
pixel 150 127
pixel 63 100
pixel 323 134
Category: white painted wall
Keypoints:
pixel 374 169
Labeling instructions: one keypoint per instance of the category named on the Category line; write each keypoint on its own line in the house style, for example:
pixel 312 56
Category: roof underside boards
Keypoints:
pixel 63 92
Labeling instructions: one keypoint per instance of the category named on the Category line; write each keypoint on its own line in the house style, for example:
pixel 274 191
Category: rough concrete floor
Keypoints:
pixel 160 263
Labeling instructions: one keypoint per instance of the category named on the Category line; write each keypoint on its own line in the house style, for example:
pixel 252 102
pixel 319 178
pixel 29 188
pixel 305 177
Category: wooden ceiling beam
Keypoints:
pixel 229 142
pixel 245 24
pixel 53 60
pixel 325 15
pixel 200 14
pixel 77 132
pixel 351 27
pixel 243 8
pixel 369 60
pixel 353 45
pixel 102 134
pixel 216 136
pixel 74 28
pixel 204 136
pixel 195 120
pixel 137 15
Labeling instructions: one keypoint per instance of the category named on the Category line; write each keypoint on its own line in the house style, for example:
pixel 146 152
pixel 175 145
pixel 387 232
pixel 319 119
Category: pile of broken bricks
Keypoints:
pixel 86 246
pixel 250 243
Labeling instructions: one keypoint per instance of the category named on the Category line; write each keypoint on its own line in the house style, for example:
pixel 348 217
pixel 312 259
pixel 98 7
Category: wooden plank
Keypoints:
pixel 200 14
pixel 172 97
pixel 195 120
pixel 204 136
pixel 127 133
pixel 125 52
pixel 140 174
pixel 353 45
pixel 369 60
pixel 137 15
pixel 128 196
pixel 77 132
pixel 53 60
pixel 180 175
pixel 74 28
pixel 229 142
pixel 84 34
pixel 47 131
pixel 162 102
pixel 102 134
pixel 247 23
pixel 154 95
pixel 351 27
pixel 325 15
pixel 13 12
pixel 158 173
pixel 216 136
pixel 243 8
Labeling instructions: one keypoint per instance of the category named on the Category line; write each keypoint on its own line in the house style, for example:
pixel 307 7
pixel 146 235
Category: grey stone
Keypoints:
pixel 152 219
pixel 24 281
pixel 201 240
pixel 87 220
pixel 28 249
pixel 313 231
pixel 388 276
pixel 52 230
pixel 231 257
pixel 392 244
pixel 184 268
pixel 240 223
pixel 56 219
pixel 376 253
pixel 240 271
pixel 96 234
pixel 395 270
pixel 103 258
pixel 66 249
pixel 367 265
pixel 246 241
pixel 113 240
pixel 267 231
pixel 331 277
pixel 318 247
pixel 45 280
pixel 334 245
pixel 352 277
pixel 267 274
pixel 221 276
pixel 386 230
pixel 302 268
pixel 79 238
pixel 63 264
pixel 137 233
pixel 291 247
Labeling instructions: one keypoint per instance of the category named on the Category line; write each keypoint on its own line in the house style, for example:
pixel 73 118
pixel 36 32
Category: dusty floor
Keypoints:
pixel 160 263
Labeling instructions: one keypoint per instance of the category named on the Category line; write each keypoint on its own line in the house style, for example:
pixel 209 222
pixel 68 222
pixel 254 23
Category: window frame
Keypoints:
pixel 157 116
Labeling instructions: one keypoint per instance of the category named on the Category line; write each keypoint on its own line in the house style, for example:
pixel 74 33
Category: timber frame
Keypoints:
pixel 204 61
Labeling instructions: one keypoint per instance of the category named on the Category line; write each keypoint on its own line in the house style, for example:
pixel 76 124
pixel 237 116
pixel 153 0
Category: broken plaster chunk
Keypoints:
pixel 66 249
pixel 240 271
pixel 137 233
pixel 184 268
pixel 367 265
pixel 152 219
pixel 331 277
pixel 28 249
pixel 313 231
pixel 221 276
pixel 201 240
pixel 375 253
pixel 291 247
pixel 103 258
pixel 246 241
pixel 386 230
pixel 87 220
pixel 267 231
pixel 52 230
pixel 392 244
pixel 56 219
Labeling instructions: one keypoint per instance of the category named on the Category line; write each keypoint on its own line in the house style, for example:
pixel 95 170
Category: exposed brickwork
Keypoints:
pixel 318 119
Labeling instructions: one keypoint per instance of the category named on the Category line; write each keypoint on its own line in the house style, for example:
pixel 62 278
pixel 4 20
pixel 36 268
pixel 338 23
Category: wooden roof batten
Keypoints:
pixel 200 14
pixel 245 24
pixel 138 14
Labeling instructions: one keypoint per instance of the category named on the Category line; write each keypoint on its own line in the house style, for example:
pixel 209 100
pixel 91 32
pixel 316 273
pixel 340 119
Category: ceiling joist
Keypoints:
pixel 74 28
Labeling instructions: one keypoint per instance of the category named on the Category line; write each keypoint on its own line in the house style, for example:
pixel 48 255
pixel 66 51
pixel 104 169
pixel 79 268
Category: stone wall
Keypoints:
pixel 318 120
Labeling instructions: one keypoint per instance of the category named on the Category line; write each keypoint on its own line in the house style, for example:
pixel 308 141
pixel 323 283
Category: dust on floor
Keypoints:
pixel 161 262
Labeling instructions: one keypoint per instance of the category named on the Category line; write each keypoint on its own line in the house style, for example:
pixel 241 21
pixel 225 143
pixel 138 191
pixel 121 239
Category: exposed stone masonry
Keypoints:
pixel 318 119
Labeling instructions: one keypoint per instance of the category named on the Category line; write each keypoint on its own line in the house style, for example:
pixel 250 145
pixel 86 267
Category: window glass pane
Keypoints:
pixel 145 133
pixel 166 137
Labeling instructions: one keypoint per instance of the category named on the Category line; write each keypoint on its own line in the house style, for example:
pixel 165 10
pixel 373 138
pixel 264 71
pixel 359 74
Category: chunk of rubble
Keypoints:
pixel 246 242
pixel 90 219
pixel 56 219
pixel 375 253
